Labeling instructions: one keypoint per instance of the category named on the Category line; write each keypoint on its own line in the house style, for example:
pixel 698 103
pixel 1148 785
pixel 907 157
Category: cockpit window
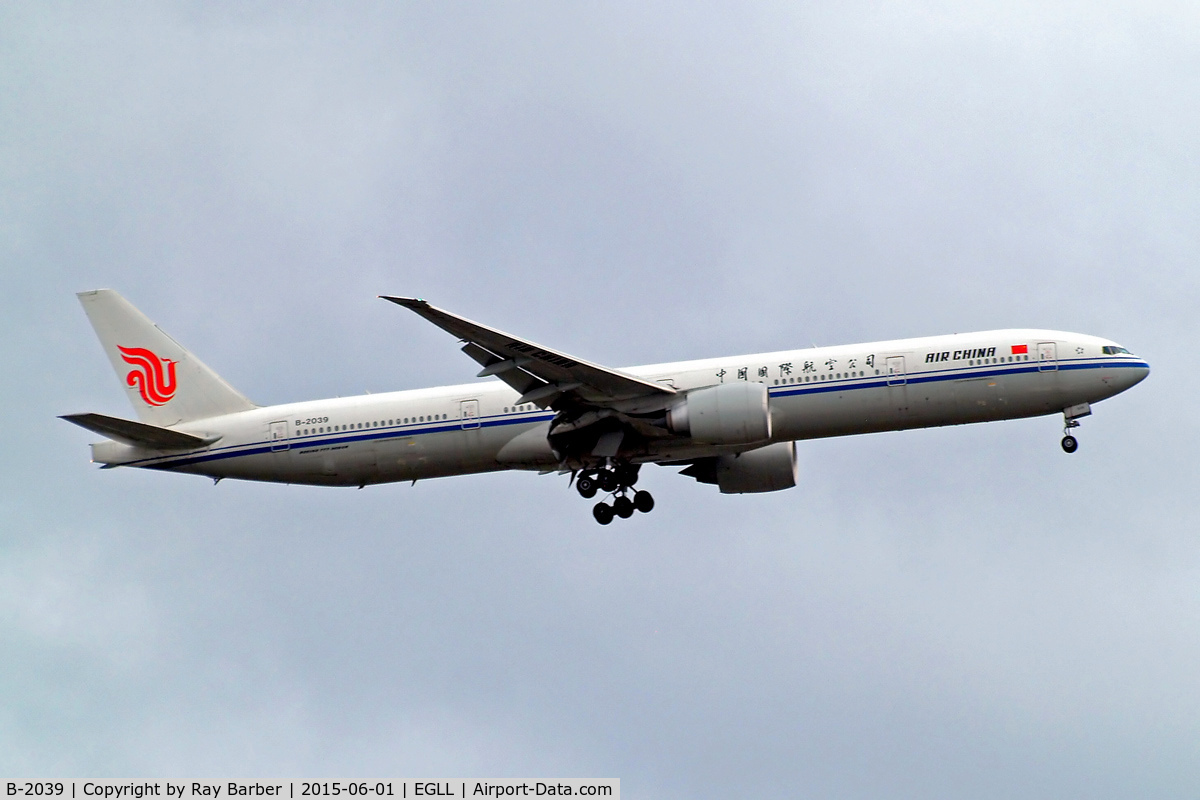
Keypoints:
pixel 1112 350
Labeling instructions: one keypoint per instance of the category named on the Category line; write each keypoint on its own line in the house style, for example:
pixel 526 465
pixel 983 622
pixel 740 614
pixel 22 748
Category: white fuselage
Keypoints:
pixel 819 392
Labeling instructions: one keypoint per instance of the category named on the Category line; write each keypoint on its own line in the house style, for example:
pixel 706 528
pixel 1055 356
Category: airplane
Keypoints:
pixel 732 422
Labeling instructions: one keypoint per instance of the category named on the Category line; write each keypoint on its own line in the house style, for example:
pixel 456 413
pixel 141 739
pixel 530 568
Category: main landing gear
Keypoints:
pixel 617 480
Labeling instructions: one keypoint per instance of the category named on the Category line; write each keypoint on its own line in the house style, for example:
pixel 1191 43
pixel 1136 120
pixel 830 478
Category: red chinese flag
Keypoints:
pixel 1020 349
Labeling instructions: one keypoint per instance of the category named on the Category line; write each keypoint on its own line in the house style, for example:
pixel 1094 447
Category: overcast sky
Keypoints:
pixel 962 612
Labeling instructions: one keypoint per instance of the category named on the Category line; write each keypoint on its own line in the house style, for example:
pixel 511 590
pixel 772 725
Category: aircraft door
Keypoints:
pixel 468 414
pixel 278 436
pixel 1047 356
pixel 896 374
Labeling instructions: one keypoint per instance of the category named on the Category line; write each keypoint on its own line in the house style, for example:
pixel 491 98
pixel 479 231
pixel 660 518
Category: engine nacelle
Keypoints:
pixel 730 413
pixel 767 469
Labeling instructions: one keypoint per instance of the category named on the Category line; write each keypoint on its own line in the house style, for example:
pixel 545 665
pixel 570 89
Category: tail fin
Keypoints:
pixel 166 384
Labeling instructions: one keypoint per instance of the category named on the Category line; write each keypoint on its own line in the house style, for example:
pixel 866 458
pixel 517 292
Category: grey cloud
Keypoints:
pixel 931 613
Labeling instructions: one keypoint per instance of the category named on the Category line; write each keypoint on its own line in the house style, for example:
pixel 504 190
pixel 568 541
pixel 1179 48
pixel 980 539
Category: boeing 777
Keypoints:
pixel 732 422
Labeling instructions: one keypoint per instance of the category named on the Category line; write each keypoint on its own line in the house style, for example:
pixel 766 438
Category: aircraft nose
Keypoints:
pixel 1136 373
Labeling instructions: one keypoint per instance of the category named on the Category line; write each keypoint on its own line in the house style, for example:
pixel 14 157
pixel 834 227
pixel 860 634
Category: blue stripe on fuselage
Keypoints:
pixel 406 431
pixel 877 381
pixel 326 439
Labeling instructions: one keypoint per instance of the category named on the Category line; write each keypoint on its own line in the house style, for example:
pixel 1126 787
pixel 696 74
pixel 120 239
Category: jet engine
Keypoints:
pixel 730 413
pixel 767 469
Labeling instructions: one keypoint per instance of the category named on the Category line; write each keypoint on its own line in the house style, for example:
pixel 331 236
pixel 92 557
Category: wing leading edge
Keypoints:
pixel 542 376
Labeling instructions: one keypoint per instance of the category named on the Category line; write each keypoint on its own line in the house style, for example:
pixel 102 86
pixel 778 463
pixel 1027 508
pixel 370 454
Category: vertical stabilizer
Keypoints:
pixel 165 383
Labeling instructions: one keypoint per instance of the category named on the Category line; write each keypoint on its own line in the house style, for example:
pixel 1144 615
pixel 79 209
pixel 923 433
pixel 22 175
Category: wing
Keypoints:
pixel 542 376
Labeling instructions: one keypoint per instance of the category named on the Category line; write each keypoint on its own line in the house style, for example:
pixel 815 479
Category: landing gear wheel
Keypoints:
pixel 623 507
pixel 1070 444
pixel 608 480
pixel 643 502
pixel 586 486
pixel 603 513
pixel 627 475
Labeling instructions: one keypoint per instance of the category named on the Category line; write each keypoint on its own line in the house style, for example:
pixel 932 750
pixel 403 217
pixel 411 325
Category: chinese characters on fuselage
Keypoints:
pixel 785 369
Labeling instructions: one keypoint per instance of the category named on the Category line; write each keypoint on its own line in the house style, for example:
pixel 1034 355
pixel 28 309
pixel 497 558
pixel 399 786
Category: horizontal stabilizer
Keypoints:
pixel 138 434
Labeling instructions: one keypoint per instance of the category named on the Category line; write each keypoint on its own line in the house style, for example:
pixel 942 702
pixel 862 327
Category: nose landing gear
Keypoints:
pixel 617 480
pixel 1071 417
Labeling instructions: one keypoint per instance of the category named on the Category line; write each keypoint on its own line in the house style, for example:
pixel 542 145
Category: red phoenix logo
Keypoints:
pixel 154 377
